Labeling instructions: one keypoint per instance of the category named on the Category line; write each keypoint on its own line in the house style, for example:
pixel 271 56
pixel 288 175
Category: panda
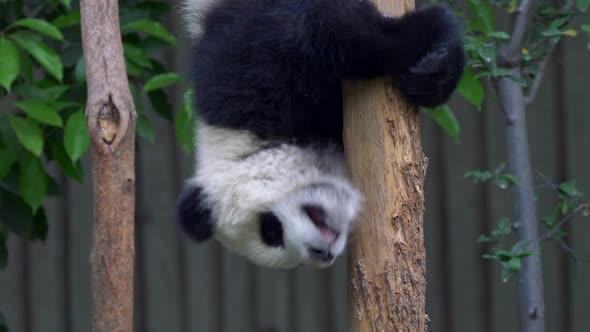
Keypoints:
pixel 270 181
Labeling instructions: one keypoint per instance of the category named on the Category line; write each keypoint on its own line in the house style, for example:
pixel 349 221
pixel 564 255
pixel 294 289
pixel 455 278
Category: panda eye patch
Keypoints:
pixel 271 230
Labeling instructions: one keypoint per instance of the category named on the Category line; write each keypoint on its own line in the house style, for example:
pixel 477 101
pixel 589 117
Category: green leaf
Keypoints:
pixel 569 188
pixel 44 54
pixel 514 264
pixel 33 182
pixel 185 123
pixel 583 5
pixel 161 81
pixel 145 129
pixel 498 35
pixel 446 119
pixel 25 66
pixel 503 229
pixel 61 105
pixel 76 139
pixel 66 3
pixel 40 112
pixel 71 169
pixel 552 32
pixel 28 133
pixel 133 69
pixel 41 94
pixel 9 63
pixel 160 104
pixel 7 158
pixel 487 53
pixel 16 215
pixel 520 248
pixel 482 14
pixel 40 26
pixel 137 55
pixel 153 28
pixel 67 20
pixel 479 176
pixel 500 72
pixel 471 88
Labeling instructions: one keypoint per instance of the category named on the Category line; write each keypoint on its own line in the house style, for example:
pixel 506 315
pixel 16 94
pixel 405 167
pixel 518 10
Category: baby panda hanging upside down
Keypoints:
pixel 270 181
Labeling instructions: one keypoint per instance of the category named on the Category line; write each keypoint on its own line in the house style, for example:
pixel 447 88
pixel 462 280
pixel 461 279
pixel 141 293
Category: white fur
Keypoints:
pixel 240 178
pixel 193 13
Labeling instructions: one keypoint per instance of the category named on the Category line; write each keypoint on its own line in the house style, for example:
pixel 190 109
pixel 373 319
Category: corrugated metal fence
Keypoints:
pixel 184 287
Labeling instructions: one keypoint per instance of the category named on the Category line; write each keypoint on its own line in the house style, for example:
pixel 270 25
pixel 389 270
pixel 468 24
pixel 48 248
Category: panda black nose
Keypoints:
pixel 320 254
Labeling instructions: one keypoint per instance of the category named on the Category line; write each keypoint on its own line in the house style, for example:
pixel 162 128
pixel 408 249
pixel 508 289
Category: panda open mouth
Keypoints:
pixel 317 215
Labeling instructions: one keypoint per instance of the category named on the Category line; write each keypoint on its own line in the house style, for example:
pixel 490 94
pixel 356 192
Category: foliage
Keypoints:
pixel 570 201
pixel 485 45
pixel 483 41
pixel 43 90
pixel 501 179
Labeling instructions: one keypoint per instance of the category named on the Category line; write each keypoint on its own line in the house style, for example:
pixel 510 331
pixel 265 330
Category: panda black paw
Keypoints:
pixel 193 216
pixel 432 80
pixel 435 58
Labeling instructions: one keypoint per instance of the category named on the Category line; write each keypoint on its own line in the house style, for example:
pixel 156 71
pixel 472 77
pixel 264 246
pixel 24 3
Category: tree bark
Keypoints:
pixel 110 117
pixel 387 263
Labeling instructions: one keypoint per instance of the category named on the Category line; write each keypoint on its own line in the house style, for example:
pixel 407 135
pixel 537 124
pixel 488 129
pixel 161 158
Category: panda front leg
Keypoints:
pixel 431 70
pixel 422 48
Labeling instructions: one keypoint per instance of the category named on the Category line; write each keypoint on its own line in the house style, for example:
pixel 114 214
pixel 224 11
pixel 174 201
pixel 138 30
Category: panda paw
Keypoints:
pixel 432 76
pixel 432 80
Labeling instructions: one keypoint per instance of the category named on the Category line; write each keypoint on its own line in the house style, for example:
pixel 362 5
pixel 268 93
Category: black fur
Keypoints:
pixel 271 230
pixel 194 218
pixel 275 67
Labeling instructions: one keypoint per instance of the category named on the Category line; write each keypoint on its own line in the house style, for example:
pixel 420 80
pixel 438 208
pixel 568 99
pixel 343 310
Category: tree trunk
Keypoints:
pixel 383 152
pixel 110 117
pixel 524 211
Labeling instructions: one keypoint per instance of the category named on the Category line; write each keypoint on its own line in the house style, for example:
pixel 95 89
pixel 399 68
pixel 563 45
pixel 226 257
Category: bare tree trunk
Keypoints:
pixel 383 152
pixel 110 117
pixel 530 279
pixel 524 214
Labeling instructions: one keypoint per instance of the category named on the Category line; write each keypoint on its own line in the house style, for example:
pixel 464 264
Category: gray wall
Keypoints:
pixel 184 287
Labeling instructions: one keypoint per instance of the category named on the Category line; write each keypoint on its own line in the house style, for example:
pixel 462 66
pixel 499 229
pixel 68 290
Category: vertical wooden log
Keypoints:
pixel 110 117
pixel 387 263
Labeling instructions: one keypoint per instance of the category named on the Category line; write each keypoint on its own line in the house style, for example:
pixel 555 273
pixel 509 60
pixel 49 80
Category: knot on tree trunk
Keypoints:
pixel 107 123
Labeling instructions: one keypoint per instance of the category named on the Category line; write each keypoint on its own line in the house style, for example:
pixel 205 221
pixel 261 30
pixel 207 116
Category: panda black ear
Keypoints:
pixel 193 215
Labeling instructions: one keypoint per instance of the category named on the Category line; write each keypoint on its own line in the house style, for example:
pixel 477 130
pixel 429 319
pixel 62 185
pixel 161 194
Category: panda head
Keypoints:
pixel 309 225
pixel 280 207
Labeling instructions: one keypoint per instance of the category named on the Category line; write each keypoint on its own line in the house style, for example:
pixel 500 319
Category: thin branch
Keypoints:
pixel 510 52
pixel 565 219
pixel 530 97
pixel 570 252
pixel 547 180
pixel 532 93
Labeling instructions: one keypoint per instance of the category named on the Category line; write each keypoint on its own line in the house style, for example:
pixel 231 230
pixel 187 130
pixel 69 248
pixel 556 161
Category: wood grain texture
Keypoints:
pixel 111 125
pixel 383 152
